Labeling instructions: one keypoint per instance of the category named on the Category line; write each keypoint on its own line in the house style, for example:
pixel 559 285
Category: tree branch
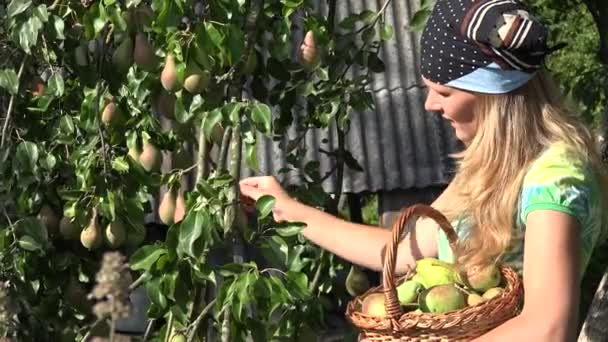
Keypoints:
pixel 11 104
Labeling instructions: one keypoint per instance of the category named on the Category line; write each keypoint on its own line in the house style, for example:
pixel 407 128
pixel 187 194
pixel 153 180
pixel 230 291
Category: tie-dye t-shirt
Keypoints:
pixel 558 181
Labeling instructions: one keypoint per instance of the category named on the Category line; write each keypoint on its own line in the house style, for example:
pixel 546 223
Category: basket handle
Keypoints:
pixel 393 308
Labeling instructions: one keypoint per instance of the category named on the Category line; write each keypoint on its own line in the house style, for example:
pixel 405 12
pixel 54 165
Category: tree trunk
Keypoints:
pixel 595 328
pixel 599 11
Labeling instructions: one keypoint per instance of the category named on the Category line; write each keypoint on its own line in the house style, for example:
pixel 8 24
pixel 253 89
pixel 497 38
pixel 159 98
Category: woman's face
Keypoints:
pixel 454 105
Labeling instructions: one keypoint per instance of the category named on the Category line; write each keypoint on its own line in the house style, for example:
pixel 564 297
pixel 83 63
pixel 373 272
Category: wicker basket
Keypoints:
pixel 460 325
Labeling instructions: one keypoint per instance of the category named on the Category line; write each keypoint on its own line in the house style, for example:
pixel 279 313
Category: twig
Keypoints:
pixel 53 5
pixel 169 327
pixel 268 270
pixel 85 338
pixel 221 164
pixel 148 329
pixel 193 328
pixel 384 6
pixel 201 157
pixel 137 282
pixel 11 104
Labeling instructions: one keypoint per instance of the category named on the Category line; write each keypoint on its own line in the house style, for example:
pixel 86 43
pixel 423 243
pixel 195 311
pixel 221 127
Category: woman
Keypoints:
pixel 529 171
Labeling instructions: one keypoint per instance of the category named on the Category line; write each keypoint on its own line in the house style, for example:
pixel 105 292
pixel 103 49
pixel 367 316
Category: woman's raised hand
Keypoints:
pixel 253 188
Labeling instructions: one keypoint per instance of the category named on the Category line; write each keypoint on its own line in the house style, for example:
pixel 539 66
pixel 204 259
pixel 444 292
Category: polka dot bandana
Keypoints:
pixel 489 46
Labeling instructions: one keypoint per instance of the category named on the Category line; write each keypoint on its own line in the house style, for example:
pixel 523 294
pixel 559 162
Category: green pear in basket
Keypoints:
pixel 441 299
pixel 434 272
pixel 408 291
pixel 481 279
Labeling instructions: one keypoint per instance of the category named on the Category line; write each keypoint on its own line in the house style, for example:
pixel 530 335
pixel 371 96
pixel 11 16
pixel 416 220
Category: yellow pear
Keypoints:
pixel 407 292
pixel 168 77
pixel 493 292
pixel 111 115
pixel 481 279
pixel 474 299
pixel 180 207
pixel 196 80
pixel 115 234
pixel 90 237
pixel 373 305
pixel 166 209
pixel 434 272
pixel 150 157
pixel 441 298
pixel 143 53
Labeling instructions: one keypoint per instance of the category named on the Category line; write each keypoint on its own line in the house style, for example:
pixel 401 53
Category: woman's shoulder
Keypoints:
pixel 559 163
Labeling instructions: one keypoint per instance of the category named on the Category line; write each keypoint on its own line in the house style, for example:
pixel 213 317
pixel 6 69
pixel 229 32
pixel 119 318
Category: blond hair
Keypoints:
pixel 512 131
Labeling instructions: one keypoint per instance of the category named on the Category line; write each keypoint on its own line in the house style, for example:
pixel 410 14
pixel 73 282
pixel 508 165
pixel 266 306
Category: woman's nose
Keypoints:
pixel 432 104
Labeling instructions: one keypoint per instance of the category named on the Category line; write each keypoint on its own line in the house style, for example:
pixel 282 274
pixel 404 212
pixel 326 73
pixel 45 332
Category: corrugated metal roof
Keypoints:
pixel 399 145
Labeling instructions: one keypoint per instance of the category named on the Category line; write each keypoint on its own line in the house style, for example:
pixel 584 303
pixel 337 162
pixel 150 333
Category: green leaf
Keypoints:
pixel 146 256
pixel 419 20
pixel 9 81
pixel 153 286
pixel 211 119
pixel 251 156
pixel 59 25
pixel 190 230
pixel 17 6
pixel 33 234
pixel 386 32
pixel 56 85
pixel 232 111
pixel 28 33
pixel 41 13
pixel 28 243
pixel 290 229
pixel 368 16
pixel 120 164
pixel 264 205
pixel 181 115
pixel 262 116
pixel 27 156
pixel 349 22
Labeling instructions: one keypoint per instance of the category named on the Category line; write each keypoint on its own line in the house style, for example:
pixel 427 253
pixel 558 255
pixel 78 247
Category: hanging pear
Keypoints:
pixel 90 237
pixel 356 281
pixel 49 219
pixel 143 54
pixel 111 115
pixel 168 77
pixel 150 158
pixel 180 207
pixel 123 56
pixel 196 80
pixel 166 209
pixel 115 234
pixel 68 229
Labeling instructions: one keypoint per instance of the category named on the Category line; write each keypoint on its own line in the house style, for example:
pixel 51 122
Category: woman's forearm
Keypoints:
pixel 530 328
pixel 357 243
